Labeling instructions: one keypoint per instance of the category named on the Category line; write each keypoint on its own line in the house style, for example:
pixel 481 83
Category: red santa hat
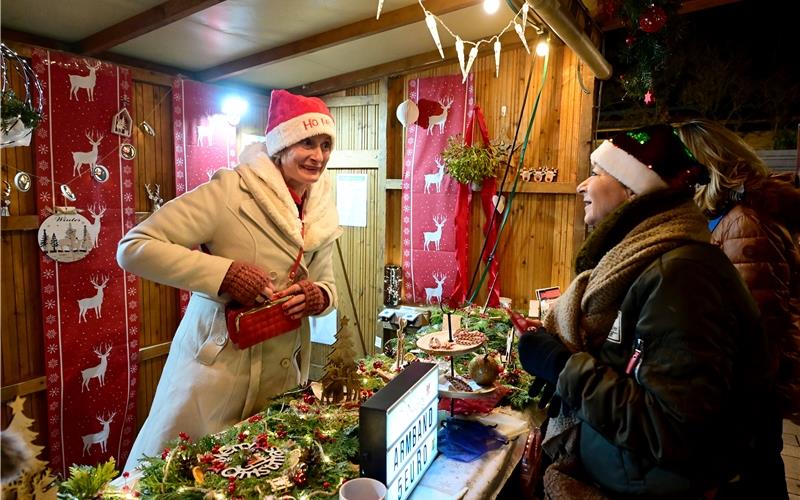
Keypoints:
pixel 649 159
pixel 293 118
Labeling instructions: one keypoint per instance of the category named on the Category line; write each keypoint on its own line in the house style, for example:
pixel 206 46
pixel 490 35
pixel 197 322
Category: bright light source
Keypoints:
pixel 234 107
pixel 542 48
pixel 491 6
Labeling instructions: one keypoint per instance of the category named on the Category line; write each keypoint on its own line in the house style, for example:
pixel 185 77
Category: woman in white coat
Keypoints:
pixel 251 222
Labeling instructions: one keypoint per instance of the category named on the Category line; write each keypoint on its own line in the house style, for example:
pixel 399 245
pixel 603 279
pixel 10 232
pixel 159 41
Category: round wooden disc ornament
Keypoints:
pixel 67 193
pixel 23 181
pixel 127 151
pixel 66 237
pixel 100 173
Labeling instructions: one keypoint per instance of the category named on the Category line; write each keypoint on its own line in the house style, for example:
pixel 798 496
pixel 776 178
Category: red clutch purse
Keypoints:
pixel 248 326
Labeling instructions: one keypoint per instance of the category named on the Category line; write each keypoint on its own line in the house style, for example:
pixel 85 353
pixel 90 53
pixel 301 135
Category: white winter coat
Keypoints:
pixel 209 384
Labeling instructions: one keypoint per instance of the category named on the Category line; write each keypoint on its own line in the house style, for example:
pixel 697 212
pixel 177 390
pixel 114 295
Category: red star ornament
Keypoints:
pixel 649 98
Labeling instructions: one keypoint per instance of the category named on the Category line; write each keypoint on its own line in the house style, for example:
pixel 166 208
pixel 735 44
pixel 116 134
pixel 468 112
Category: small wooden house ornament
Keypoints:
pixel 122 123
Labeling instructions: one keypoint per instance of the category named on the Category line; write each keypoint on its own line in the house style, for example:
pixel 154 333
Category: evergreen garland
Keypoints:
pixel 645 53
pixel 13 108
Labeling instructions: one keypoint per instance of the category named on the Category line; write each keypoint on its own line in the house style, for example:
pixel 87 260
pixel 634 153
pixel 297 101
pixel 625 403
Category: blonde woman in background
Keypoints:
pixel 754 217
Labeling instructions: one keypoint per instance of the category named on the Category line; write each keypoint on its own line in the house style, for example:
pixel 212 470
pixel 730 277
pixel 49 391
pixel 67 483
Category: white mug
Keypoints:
pixel 362 488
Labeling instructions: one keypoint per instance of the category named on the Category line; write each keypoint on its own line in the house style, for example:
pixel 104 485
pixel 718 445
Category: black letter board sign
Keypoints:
pixel 397 429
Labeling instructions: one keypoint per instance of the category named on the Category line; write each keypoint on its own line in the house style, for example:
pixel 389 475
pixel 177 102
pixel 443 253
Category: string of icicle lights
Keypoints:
pixel 432 21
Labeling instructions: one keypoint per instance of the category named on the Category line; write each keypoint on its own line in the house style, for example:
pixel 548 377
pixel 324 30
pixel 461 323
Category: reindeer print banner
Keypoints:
pixel 434 237
pixel 204 140
pixel 89 306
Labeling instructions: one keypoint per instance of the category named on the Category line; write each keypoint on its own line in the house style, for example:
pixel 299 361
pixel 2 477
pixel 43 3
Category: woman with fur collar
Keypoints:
pixel 251 223
pixel 655 349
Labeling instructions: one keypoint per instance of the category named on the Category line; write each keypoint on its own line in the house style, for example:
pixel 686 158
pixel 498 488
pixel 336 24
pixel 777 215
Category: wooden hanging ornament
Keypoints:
pixel 122 123
pixel 67 236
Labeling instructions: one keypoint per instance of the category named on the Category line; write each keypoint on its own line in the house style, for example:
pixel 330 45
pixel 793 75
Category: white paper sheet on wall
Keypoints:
pixel 323 328
pixel 351 199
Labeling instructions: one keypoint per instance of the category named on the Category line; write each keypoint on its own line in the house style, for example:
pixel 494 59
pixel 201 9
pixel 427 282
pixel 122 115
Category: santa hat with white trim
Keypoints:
pixel 649 159
pixel 293 118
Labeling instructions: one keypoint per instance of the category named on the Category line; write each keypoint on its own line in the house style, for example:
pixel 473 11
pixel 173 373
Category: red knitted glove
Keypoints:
pixel 316 299
pixel 244 282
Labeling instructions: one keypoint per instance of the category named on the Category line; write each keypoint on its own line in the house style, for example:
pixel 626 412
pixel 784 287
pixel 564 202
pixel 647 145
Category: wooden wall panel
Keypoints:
pixel 545 225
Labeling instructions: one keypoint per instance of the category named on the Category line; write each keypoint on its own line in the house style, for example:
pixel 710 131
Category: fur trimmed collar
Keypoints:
pixel 265 182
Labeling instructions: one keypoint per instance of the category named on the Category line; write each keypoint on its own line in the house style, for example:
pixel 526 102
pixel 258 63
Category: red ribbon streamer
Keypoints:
pixel 488 190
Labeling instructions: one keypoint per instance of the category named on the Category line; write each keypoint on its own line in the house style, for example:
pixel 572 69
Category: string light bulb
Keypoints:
pixel 430 21
pixel 491 6
pixel 521 32
pixel 460 52
pixel 542 48
pixel 497 58
pixel 524 12
pixel 473 53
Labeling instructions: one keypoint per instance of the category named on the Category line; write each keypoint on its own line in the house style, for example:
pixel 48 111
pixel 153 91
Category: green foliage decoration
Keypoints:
pixel 13 108
pixel 474 163
pixel 87 482
pixel 645 54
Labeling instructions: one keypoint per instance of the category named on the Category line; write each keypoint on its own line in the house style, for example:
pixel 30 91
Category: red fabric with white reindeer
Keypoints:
pixel 89 306
pixel 204 140
pixel 434 238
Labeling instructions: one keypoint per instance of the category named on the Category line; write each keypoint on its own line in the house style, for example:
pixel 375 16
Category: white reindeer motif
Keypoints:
pixel 94 228
pixel 434 236
pixel 94 302
pixel 81 158
pixel 98 371
pixel 430 293
pixel 435 178
pixel 206 131
pixel 101 437
pixel 77 82
pixel 440 119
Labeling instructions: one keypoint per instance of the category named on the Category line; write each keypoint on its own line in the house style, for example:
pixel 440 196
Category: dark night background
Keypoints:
pixel 736 63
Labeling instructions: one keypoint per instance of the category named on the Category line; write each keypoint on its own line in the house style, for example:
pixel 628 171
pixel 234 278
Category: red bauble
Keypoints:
pixel 630 40
pixel 653 19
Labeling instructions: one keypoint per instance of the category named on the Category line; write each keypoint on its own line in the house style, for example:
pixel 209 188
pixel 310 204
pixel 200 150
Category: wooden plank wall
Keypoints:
pixel 360 114
pixel 545 226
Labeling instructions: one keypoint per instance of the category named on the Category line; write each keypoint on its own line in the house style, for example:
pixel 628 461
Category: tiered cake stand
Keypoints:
pixel 445 343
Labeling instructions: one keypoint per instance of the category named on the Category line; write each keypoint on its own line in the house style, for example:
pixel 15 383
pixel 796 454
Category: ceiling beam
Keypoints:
pixel 419 62
pixel 142 23
pixel 52 44
pixel 347 33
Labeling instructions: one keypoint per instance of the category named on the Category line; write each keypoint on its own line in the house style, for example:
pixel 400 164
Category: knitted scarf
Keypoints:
pixel 611 259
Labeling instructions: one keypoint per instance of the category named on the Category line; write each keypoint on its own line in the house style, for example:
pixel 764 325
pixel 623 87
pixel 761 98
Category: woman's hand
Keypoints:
pixel 246 283
pixel 307 299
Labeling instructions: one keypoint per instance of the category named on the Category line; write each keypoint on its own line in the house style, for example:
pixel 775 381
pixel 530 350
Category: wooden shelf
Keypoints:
pixel 546 187
pixel 20 222
pixel 522 187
